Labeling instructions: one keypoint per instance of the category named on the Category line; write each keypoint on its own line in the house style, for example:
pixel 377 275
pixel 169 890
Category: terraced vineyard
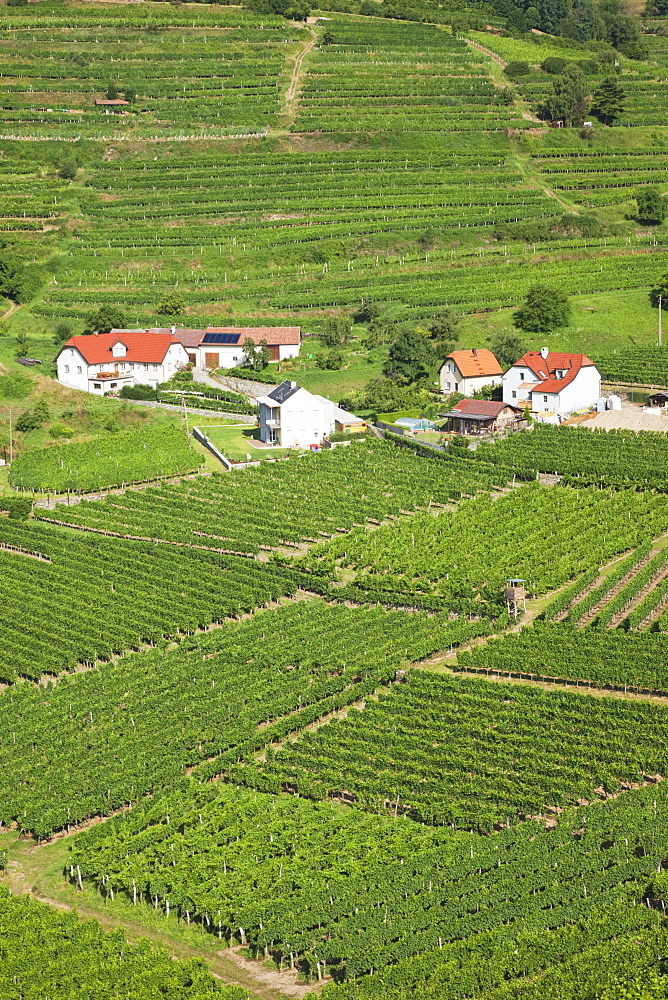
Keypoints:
pixel 59 65
pixel 392 77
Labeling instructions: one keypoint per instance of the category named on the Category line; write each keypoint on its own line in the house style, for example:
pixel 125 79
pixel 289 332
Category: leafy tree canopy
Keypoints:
pixel 410 357
pixel 106 319
pixel 507 347
pixel 545 308
pixel 651 204
pixel 608 101
pixel 173 304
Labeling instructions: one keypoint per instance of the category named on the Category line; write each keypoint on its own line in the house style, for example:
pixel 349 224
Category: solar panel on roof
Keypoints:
pixel 221 338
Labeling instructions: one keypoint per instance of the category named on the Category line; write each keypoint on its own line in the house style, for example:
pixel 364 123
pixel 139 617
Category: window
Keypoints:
pixel 514 394
pixel 67 368
pixel 522 376
pixel 78 369
pixel 97 385
pixel 448 385
pixel 456 386
pixel 113 385
pixel 145 368
pixel 545 399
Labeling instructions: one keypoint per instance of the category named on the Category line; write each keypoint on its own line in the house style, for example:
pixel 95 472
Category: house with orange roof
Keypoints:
pixel 469 371
pixel 552 382
pixel 103 363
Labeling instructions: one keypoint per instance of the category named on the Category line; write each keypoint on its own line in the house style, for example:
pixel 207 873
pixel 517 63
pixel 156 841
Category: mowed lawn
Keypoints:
pixel 600 323
pixel 241 443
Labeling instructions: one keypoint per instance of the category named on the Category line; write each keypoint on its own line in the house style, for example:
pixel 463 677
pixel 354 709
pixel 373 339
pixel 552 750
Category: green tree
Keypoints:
pixel 173 304
pixel 660 290
pixel 62 333
pixel 367 311
pixel 516 69
pixel 106 319
pixel 443 327
pixel 545 308
pixel 256 357
pixel 327 38
pixel 507 347
pixel 410 357
pixel 335 332
pixel 129 93
pixel 608 101
pixel 567 100
pixel 553 65
pixel 331 361
pixel 651 204
pixel 112 92
pixel 67 169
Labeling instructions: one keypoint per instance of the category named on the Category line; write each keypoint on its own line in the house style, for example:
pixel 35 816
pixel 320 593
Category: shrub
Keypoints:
pixel 516 69
pixel 138 392
pixel 60 431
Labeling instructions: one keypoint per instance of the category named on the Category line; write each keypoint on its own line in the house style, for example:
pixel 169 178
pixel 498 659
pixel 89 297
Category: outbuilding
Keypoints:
pixel 482 416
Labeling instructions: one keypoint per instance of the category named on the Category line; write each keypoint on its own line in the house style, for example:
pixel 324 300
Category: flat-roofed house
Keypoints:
pixel 469 371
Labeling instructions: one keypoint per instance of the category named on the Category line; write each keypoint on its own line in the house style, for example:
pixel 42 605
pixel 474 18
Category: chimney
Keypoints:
pixel 293 385
pixel 544 353
pixel 475 352
pixel 172 330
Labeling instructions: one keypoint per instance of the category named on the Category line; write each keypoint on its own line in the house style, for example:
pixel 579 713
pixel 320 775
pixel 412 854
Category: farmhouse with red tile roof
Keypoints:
pixel 553 382
pixel 223 346
pixel 105 362
pixel 468 371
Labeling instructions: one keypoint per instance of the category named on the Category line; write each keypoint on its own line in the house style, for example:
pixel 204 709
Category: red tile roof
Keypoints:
pixel 545 368
pixel 476 364
pixel 272 334
pixel 142 346
pixel 482 407
pixel 116 103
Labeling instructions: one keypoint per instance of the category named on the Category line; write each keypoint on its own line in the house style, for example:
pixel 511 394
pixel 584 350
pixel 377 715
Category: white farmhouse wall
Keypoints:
pixel 516 381
pixel 72 369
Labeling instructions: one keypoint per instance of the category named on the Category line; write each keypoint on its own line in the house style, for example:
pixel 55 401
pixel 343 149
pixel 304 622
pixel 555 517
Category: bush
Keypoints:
pixel 138 392
pixel 60 431
pixel 15 385
pixel 516 69
pixel 18 508
pixel 553 64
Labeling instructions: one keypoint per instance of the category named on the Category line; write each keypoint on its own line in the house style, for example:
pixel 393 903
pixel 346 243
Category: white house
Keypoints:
pixel 105 362
pixel 552 382
pixel 294 418
pixel 223 346
pixel 468 371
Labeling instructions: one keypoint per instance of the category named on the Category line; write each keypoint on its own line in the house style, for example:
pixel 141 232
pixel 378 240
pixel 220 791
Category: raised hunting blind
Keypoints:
pixel 515 596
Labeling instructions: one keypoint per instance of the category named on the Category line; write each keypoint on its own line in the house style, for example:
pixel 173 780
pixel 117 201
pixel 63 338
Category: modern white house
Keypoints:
pixel 469 371
pixel 105 362
pixel 292 417
pixel 549 382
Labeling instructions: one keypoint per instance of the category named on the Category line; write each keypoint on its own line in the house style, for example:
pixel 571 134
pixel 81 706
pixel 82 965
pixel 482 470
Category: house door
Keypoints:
pixel 275 352
pixel 211 360
pixel 192 358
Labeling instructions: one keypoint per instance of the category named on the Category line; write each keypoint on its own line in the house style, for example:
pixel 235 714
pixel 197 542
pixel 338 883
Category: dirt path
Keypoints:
pixel 296 79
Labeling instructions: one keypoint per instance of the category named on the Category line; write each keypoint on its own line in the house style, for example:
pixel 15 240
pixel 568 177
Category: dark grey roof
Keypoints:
pixel 283 391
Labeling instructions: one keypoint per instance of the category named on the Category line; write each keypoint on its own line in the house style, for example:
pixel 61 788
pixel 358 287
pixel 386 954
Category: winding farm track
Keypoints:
pixel 296 79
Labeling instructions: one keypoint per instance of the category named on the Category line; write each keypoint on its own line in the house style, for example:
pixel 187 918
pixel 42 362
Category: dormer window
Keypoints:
pixel 119 350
